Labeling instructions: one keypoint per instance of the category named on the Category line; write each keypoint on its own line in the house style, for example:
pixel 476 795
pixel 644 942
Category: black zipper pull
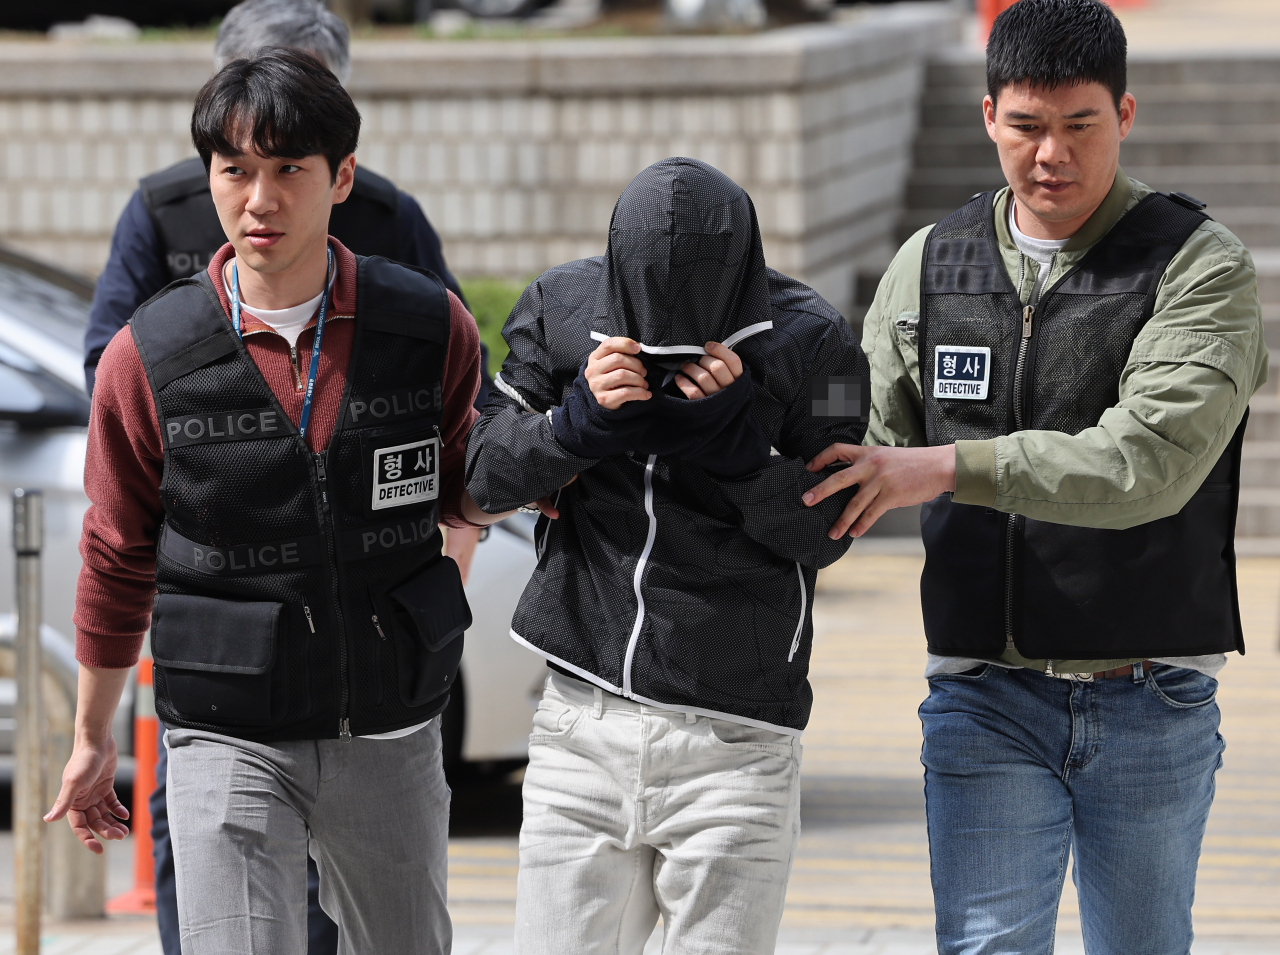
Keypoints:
pixel 377 626
pixel 322 475
pixel 310 623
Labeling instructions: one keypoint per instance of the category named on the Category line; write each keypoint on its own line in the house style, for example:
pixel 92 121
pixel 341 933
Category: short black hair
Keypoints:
pixel 1052 43
pixel 286 102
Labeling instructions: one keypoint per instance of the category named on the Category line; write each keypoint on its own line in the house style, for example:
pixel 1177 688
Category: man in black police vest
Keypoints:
pixel 170 230
pixel 1062 369
pixel 307 628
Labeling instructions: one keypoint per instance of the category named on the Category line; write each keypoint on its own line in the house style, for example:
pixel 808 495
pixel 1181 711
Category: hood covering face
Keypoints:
pixel 684 264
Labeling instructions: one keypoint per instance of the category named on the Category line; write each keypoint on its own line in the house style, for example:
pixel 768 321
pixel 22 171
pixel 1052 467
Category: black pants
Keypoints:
pixel 322 933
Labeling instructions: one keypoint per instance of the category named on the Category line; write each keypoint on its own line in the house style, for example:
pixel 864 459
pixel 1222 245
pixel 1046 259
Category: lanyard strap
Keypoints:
pixel 305 417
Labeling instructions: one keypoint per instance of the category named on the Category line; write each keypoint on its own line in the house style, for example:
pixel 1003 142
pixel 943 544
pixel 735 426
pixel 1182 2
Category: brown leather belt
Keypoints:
pixel 1126 670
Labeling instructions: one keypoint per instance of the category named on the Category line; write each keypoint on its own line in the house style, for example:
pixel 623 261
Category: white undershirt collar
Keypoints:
pixel 289 322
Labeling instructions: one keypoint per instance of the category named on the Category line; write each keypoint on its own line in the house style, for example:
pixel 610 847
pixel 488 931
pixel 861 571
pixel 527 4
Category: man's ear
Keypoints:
pixel 1128 112
pixel 989 115
pixel 345 179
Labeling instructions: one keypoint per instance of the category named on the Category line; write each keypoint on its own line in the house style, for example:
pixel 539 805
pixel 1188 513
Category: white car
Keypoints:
pixel 43 434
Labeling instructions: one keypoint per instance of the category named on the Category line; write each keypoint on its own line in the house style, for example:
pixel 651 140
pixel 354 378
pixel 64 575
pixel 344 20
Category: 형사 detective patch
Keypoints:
pixel 406 474
pixel 961 371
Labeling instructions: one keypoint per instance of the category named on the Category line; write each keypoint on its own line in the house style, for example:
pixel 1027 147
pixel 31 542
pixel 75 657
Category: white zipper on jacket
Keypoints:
pixel 635 580
pixel 804 605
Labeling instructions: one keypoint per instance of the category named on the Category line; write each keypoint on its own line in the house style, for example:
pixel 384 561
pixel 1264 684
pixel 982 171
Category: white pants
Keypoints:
pixel 631 812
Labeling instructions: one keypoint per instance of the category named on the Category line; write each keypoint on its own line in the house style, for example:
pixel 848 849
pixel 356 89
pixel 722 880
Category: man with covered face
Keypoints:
pixel 644 391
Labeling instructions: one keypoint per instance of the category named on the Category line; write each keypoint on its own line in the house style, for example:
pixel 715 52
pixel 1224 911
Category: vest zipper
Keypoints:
pixel 1019 372
pixel 326 514
pixel 310 622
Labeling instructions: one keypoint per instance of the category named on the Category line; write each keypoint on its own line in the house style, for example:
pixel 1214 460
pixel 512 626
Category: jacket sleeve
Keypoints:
pixel 513 457
pixel 1183 393
pixel 134 272
pixel 769 500
pixel 889 340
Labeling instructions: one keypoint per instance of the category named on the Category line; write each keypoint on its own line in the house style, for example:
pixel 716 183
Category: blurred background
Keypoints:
pixel 515 124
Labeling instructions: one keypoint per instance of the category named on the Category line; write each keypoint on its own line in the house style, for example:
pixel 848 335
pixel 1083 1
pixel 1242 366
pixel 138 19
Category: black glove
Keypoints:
pixel 739 446
pixel 588 430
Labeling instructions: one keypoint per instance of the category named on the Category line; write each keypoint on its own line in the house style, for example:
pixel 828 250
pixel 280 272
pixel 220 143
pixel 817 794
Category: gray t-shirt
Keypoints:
pixel 1042 251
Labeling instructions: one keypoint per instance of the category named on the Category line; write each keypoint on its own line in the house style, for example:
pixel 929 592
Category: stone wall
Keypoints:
pixel 518 149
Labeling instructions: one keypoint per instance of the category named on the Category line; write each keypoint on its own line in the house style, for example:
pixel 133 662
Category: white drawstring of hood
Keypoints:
pixel 738 336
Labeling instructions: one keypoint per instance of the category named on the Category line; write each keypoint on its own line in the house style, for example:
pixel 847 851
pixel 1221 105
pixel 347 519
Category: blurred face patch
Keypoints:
pixel 961 371
pixel 840 396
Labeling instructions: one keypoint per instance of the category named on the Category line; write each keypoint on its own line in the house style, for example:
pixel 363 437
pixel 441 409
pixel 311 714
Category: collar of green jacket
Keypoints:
pixel 1123 196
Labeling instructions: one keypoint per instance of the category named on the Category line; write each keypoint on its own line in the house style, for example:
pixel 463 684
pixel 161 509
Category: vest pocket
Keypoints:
pixel 426 617
pixel 216 656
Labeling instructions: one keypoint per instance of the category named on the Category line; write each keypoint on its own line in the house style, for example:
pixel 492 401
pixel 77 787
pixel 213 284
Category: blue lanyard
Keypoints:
pixel 305 417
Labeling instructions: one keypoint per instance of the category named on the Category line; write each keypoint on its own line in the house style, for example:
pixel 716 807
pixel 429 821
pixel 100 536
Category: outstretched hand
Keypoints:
pixel 886 478
pixel 88 796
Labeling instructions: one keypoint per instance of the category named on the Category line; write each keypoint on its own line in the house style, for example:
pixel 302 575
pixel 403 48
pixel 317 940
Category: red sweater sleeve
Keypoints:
pixel 461 384
pixel 123 466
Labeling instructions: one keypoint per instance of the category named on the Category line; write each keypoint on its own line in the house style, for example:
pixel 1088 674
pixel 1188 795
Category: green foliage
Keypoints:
pixel 491 301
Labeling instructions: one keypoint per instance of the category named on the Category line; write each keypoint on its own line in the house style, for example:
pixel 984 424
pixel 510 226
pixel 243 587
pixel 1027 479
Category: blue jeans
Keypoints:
pixel 322 933
pixel 1019 767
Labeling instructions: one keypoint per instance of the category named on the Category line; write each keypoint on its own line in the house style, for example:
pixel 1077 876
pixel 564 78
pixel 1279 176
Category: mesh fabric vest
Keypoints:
pixel 274 565
pixel 995 581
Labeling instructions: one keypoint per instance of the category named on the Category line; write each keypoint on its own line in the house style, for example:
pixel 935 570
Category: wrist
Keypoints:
pixel 947 467
pixel 92 736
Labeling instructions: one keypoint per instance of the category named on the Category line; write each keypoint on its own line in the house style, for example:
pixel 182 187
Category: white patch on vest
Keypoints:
pixel 406 474
pixel 961 371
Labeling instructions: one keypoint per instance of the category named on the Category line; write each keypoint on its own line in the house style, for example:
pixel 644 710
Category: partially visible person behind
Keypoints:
pixel 1062 370
pixel 280 543
pixel 674 588
pixel 170 230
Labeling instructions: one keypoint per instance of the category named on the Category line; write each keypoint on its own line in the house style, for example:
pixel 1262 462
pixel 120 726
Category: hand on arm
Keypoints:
pixel 88 797
pixel 886 478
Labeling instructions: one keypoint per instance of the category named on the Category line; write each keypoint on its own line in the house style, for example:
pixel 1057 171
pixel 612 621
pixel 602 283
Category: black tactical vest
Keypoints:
pixel 301 595
pixel 994 581
pixel 182 210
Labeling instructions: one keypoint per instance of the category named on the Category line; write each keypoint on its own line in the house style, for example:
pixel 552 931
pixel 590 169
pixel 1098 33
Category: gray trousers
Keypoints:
pixel 374 814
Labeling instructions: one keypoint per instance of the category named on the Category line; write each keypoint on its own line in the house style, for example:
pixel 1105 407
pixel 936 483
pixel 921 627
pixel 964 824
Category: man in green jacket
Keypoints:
pixel 1061 372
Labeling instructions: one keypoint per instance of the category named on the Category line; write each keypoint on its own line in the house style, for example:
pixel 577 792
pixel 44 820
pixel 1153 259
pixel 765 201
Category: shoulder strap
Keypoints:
pixel 1135 253
pixel 181 329
pixel 400 299
pixel 960 254
pixel 183 179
